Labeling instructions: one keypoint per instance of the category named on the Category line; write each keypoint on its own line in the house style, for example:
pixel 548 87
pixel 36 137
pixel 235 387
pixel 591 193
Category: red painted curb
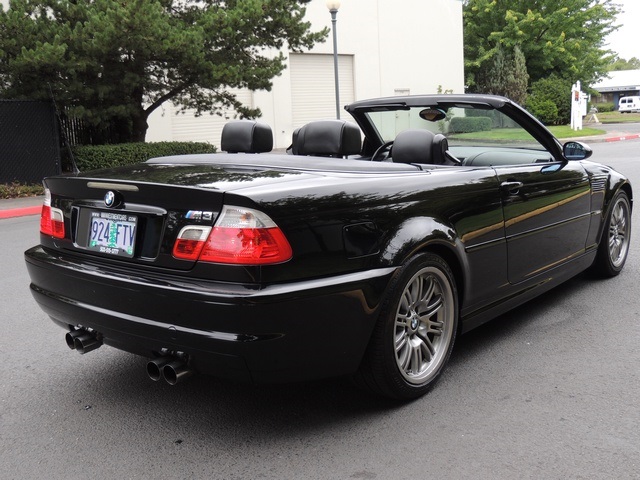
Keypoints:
pixel 19 212
pixel 625 137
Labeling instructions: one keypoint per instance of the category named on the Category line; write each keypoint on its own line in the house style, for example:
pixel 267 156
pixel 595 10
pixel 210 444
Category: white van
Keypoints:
pixel 629 104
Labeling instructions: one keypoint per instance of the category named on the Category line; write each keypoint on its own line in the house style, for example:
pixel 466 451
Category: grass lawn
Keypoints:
pixel 518 134
pixel 565 131
pixel 617 117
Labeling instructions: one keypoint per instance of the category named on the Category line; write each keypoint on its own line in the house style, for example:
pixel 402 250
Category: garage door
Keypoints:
pixel 313 86
pixel 186 127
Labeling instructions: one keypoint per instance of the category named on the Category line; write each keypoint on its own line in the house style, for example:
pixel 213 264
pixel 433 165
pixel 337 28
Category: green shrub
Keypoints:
pixel 543 109
pixel 498 120
pixel 556 90
pixel 480 112
pixel 91 157
pixel 16 190
pixel 470 124
pixel 604 107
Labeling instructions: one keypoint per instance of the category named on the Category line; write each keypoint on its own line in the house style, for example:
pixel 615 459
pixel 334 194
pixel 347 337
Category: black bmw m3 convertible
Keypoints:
pixel 363 251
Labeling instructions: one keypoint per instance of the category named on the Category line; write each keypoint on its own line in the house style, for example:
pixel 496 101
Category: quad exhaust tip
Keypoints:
pixel 172 369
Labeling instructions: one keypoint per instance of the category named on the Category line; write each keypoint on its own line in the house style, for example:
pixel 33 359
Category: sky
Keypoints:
pixel 626 40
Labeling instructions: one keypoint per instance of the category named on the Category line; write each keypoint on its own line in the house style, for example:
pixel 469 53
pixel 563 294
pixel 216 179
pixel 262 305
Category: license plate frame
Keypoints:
pixel 112 233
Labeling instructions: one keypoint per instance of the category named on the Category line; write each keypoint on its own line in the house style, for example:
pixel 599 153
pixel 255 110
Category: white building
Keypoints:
pixel 618 84
pixel 386 48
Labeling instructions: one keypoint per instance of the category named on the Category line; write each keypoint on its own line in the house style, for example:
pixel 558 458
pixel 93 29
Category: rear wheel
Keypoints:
pixel 416 330
pixel 614 245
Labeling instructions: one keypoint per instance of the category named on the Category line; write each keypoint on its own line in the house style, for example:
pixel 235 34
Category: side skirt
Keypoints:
pixel 526 291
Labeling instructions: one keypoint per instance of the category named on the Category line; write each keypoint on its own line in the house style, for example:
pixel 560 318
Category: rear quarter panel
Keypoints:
pixel 454 210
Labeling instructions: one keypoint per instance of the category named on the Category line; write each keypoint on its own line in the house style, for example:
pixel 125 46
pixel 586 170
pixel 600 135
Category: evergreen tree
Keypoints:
pixel 506 75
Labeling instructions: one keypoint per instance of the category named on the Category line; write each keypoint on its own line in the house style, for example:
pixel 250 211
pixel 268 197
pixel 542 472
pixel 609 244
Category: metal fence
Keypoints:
pixel 29 141
pixel 77 132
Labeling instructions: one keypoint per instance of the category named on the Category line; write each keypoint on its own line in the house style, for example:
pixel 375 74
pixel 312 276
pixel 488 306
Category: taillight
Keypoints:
pixel 190 242
pixel 51 219
pixel 241 236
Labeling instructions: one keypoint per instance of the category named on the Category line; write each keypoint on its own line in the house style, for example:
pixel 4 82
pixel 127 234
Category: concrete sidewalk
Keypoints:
pixel 18 207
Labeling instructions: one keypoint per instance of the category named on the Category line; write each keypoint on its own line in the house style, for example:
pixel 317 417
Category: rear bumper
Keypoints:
pixel 291 332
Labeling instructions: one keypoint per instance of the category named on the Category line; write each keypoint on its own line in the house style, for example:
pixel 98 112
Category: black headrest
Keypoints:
pixel 413 146
pixel 439 149
pixel 334 138
pixel 246 136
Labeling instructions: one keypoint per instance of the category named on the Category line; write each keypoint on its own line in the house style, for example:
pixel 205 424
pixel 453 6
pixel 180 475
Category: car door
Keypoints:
pixel 547 215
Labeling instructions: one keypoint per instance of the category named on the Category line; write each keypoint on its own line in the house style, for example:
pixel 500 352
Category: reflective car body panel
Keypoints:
pixel 551 208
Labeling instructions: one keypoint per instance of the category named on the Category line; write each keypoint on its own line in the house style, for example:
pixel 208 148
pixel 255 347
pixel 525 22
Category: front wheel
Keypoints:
pixel 614 245
pixel 415 332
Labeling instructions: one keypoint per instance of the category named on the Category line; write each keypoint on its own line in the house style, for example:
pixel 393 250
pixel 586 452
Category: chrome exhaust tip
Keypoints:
pixel 70 337
pixel 86 343
pixel 175 372
pixel 154 367
pixel 82 340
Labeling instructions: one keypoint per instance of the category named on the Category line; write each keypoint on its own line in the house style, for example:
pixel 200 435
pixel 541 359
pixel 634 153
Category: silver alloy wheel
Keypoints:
pixel 618 241
pixel 424 325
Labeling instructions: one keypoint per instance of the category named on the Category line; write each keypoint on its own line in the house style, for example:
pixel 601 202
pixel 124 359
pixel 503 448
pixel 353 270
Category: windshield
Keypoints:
pixel 462 125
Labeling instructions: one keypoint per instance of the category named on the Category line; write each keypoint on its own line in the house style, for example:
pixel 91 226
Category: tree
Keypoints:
pixel 621 64
pixel 565 39
pixel 505 75
pixel 113 62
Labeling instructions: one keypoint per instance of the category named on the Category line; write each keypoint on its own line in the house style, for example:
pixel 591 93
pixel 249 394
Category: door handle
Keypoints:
pixel 511 188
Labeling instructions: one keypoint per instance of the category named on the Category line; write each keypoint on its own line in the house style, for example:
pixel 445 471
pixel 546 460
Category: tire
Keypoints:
pixel 415 332
pixel 614 244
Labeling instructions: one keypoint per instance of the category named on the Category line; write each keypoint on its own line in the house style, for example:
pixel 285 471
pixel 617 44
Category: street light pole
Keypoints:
pixel 333 6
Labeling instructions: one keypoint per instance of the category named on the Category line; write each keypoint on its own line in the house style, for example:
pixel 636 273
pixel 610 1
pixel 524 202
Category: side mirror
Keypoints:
pixel 576 151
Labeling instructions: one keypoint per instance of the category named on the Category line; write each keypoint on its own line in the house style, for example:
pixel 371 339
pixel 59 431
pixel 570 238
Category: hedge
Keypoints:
pixel 605 107
pixel 555 90
pixel 91 157
pixel 543 109
pixel 470 124
pixel 18 190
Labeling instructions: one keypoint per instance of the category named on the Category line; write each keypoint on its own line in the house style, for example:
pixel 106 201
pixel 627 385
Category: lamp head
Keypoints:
pixel 333 5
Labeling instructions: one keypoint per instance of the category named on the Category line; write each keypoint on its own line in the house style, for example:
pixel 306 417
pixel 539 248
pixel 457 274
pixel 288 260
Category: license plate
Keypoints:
pixel 112 233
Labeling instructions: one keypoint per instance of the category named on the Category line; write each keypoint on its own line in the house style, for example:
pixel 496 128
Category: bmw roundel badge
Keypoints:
pixel 110 199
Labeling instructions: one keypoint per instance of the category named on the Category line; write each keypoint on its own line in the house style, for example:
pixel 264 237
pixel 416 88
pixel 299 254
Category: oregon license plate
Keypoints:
pixel 112 233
